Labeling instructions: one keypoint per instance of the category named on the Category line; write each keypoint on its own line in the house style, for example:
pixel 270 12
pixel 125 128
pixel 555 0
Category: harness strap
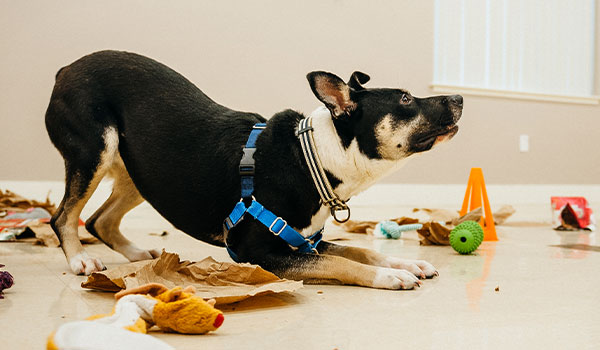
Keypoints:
pixel 247 162
pixel 274 223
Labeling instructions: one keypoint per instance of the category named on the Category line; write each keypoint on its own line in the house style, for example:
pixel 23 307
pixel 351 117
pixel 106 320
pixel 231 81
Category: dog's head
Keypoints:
pixel 386 123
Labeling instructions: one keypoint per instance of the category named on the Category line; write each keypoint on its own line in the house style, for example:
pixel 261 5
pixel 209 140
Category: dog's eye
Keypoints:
pixel 405 99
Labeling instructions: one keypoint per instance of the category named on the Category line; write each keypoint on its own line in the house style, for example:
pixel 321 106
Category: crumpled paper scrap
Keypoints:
pixel 438 215
pixel 10 201
pixel 453 217
pixel 223 281
pixel 433 233
pixel 44 235
pixel 436 227
pixel 26 220
pixel 355 226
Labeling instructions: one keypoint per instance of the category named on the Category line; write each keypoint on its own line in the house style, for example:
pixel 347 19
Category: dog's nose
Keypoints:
pixel 456 99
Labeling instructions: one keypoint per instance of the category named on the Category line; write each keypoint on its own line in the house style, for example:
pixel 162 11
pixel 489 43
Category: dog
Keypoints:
pixel 162 140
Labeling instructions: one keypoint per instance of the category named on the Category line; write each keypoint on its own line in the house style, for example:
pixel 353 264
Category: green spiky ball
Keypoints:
pixel 466 237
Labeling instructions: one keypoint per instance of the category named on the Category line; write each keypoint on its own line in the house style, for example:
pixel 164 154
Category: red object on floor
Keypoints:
pixel 578 206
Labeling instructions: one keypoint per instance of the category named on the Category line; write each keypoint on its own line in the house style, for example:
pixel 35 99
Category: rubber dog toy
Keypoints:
pixel 466 237
pixel 390 229
pixel 6 281
pixel 137 310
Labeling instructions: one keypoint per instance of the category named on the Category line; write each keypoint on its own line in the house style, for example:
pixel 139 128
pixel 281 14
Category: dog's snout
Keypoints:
pixel 456 99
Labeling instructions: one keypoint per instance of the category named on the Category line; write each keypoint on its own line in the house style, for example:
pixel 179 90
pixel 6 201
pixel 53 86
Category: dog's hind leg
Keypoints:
pixel 83 174
pixel 105 222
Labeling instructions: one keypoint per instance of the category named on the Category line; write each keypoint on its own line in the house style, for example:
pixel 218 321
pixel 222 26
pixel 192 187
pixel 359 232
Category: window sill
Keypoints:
pixel 587 100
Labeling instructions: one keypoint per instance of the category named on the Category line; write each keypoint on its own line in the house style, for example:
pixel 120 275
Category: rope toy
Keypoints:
pixel 391 230
pixel 466 237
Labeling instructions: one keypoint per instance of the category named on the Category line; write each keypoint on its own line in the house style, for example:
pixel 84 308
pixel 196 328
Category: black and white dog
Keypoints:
pixel 131 118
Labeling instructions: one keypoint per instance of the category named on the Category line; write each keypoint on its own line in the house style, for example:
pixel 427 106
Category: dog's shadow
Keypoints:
pixel 262 302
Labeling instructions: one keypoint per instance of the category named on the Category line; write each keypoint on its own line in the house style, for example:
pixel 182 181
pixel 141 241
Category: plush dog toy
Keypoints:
pixel 137 310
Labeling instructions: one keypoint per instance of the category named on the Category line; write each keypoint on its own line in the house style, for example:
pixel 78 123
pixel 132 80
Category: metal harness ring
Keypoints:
pixel 334 210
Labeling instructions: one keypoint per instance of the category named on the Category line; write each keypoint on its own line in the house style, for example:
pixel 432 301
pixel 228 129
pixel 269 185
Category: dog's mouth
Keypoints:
pixel 427 141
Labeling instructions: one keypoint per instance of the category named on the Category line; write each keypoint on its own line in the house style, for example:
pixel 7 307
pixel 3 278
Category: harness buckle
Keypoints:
pixel 281 229
pixel 247 162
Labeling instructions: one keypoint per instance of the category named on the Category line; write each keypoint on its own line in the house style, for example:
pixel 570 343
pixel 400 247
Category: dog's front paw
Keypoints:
pixel 83 264
pixel 419 268
pixel 388 278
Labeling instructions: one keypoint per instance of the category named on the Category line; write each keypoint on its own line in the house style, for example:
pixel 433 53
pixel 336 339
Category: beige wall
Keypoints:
pixel 254 55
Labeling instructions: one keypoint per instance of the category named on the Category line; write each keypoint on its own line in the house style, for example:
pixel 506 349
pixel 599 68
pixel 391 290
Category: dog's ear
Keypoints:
pixel 357 79
pixel 332 91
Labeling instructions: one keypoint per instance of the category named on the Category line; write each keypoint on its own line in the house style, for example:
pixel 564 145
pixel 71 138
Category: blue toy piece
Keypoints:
pixel 390 229
pixel 466 237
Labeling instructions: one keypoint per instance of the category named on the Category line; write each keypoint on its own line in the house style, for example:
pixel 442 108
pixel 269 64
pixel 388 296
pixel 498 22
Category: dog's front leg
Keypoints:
pixel 314 268
pixel 419 268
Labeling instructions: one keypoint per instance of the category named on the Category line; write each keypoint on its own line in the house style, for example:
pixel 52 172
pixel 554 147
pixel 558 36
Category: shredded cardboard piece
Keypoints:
pixel 10 201
pixel 436 230
pixel 44 235
pixel 473 215
pixel 37 230
pixel 452 218
pixel 225 282
pixel 354 226
pixel 438 215
pixel 434 233
pixel 503 214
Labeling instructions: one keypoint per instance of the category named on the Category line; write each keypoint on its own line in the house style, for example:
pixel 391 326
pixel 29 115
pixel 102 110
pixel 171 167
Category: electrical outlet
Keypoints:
pixel 524 143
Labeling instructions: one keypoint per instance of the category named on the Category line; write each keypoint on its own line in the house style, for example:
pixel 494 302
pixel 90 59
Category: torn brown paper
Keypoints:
pixel 473 215
pixel 433 233
pixel 503 214
pixel 452 218
pixel 10 201
pixel 354 226
pixel 44 235
pixel 37 230
pixel 225 282
pixel 441 215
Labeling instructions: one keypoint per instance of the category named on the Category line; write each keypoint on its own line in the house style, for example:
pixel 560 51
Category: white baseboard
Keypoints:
pixel 417 195
pixel 453 195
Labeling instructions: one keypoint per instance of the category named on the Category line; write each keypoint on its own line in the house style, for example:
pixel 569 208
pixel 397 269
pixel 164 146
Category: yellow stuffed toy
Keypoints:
pixel 137 310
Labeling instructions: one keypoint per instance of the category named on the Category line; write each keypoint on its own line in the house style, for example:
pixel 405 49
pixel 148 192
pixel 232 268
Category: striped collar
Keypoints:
pixel 328 196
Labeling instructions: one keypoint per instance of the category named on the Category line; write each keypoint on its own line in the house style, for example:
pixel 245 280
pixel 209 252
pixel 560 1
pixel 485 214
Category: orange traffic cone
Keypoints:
pixel 476 192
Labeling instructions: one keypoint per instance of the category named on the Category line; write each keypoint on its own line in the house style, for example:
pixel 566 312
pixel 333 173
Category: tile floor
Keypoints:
pixel 548 297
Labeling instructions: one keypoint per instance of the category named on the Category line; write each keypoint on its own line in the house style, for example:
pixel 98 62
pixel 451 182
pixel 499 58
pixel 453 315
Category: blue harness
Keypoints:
pixel 274 223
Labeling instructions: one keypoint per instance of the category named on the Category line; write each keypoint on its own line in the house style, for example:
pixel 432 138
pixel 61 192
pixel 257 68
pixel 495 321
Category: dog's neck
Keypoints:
pixel 356 171
pixel 353 168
